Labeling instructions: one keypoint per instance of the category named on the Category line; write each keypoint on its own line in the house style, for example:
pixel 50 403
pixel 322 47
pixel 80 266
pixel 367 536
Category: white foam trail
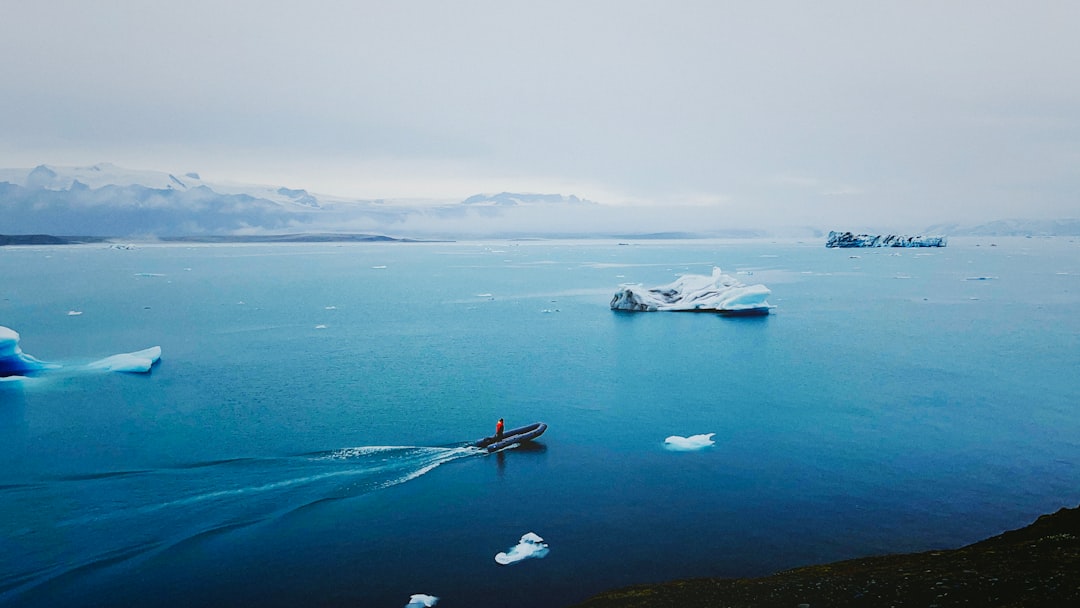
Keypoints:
pixel 428 460
pixel 677 443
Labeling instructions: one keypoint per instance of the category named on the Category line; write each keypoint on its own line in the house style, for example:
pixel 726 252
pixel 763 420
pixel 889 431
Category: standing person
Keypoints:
pixel 499 429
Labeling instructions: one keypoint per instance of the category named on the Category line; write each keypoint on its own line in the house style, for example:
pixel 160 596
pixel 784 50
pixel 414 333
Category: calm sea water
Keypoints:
pixel 302 440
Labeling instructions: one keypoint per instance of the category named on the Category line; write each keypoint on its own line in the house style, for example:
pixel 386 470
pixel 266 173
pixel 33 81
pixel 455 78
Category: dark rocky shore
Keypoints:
pixel 1035 566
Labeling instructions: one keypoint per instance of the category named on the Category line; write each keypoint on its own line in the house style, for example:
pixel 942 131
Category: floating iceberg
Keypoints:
pixel 136 362
pixel 847 239
pixel 421 600
pixel 530 545
pixel 676 443
pixel 15 363
pixel 719 293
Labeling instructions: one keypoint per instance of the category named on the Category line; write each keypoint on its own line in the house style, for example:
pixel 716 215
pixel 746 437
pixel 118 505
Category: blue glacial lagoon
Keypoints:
pixel 303 440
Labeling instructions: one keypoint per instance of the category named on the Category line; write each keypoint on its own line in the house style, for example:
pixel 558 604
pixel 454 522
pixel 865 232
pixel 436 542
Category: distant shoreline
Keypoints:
pixel 49 239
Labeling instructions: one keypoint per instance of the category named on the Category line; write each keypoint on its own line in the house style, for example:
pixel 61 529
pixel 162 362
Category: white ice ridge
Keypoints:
pixel 137 362
pixel 15 363
pixel 420 600
pixel 676 443
pixel 694 292
pixel 530 545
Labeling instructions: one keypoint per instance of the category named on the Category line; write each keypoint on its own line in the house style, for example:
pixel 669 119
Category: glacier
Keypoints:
pixel 848 239
pixel 15 364
pixel 719 292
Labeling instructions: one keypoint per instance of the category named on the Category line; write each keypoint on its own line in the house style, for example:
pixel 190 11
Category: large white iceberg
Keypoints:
pixel 719 293
pixel 849 239
pixel 16 364
pixel 530 545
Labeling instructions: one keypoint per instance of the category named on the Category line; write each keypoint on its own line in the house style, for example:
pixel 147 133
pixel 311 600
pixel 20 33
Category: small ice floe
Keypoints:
pixel 74 313
pixel 484 295
pixel 422 600
pixel 548 311
pixel 379 267
pixel 138 362
pixel 330 308
pixel 530 545
pixel 676 443
pixel 320 326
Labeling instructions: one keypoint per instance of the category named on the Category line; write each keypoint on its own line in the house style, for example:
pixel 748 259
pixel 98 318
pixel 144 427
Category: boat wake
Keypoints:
pixel 62 527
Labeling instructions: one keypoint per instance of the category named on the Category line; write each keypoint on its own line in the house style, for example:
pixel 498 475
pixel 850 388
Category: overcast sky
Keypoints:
pixel 755 112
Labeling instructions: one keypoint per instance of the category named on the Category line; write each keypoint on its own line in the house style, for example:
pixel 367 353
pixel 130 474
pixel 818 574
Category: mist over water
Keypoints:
pixel 302 440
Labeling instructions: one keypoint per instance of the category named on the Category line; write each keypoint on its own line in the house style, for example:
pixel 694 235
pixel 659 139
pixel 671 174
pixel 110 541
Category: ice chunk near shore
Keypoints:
pixel 676 443
pixel 13 361
pixel 137 362
pixel 718 292
pixel 422 600
pixel 530 545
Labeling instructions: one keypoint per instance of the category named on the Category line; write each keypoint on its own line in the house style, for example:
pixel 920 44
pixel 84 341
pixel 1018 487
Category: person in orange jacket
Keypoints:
pixel 499 429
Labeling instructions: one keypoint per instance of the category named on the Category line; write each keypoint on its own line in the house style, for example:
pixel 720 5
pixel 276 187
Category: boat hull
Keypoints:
pixel 518 435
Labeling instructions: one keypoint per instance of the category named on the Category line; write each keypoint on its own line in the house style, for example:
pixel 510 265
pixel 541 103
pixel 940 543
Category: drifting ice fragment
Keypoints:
pixel 676 443
pixel 420 600
pixel 719 293
pixel 136 362
pixel 530 545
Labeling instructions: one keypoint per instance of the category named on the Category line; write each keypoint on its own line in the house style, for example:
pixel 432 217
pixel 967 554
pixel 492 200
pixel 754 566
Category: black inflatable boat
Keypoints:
pixel 518 435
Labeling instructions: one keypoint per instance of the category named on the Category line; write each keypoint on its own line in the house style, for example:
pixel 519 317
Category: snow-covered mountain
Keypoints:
pixel 107 200
pixel 101 175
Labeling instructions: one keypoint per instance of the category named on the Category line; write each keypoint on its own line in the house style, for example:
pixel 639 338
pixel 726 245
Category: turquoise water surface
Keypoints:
pixel 303 440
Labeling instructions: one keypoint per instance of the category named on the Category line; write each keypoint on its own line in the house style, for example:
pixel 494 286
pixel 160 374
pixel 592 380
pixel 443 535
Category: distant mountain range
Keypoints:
pixel 1011 227
pixel 105 200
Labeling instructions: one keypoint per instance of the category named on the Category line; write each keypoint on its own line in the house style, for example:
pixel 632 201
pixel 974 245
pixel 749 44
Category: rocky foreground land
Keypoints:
pixel 1033 567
